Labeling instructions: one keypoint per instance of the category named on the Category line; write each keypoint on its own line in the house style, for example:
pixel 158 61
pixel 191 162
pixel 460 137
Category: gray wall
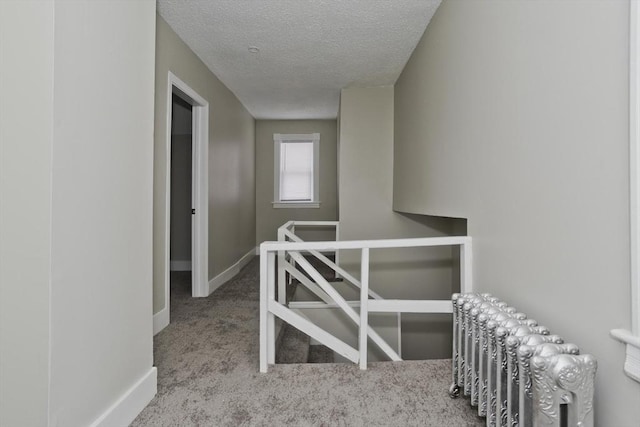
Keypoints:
pixel 181 152
pixel 231 161
pixel 76 191
pixel 269 219
pixel 366 180
pixel 26 84
pixel 515 116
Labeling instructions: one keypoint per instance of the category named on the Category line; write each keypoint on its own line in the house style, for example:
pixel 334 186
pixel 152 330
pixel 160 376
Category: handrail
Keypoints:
pixel 339 270
pixel 308 223
pixel 271 308
pixel 342 303
pixel 371 244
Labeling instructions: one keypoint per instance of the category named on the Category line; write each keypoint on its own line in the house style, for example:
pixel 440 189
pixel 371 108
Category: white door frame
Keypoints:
pixel 200 167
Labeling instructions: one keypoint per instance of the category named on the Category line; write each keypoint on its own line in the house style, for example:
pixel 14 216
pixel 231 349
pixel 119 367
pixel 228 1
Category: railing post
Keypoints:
pixel 400 334
pixel 337 252
pixel 293 230
pixel 264 310
pixel 282 283
pixel 364 313
pixel 466 266
pixel 271 320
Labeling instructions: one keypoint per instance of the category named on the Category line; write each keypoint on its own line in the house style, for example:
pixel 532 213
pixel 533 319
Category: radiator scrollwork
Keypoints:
pixel 514 370
pixel 564 378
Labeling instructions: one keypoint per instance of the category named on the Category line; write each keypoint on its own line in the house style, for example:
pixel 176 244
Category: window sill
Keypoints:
pixel 632 363
pixel 296 205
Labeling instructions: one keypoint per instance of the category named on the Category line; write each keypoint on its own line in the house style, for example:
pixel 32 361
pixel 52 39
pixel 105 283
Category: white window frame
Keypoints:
pixel 632 337
pixel 279 138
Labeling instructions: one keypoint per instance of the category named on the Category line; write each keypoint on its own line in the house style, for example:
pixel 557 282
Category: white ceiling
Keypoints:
pixel 309 49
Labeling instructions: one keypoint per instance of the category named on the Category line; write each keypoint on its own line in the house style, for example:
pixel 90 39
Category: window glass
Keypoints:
pixel 296 171
pixel 296 178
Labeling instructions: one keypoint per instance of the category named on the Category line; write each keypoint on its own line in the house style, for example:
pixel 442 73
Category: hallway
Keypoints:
pixel 207 361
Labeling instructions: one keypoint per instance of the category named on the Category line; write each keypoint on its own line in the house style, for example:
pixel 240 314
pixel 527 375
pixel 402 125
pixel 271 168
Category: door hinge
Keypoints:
pixel 193 211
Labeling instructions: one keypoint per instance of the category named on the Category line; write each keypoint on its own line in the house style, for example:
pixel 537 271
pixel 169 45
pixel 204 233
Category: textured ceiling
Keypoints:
pixel 309 49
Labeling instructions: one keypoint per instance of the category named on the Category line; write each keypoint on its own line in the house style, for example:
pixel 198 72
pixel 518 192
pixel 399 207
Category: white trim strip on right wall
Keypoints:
pixel 632 338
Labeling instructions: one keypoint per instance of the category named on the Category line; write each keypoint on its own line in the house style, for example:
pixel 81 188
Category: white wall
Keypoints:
pixel 101 326
pixel 366 182
pixel 77 126
pixel 515 115
pixel 26 119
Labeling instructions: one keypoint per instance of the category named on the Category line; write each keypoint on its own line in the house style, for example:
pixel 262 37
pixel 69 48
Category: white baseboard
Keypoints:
pixel 180 265
pixel 160 320
pixel 230 272
pixel 131 403
pixel 246 259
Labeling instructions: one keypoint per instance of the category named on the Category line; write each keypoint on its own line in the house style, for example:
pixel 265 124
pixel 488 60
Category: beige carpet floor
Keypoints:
pixel 207 361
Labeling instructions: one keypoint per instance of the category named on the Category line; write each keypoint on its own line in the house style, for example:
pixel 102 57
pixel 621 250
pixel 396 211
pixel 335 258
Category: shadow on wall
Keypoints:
pixel 446 225
pixel 316 233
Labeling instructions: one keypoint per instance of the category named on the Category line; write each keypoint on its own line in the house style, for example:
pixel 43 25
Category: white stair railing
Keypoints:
pixel 289 252
pixel 342 303
pixel 339 271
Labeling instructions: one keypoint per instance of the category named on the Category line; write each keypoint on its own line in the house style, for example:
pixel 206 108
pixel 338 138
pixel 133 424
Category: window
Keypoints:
pixel 296 159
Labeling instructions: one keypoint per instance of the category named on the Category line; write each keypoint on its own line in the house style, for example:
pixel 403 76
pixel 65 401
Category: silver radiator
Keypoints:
pixel 514 371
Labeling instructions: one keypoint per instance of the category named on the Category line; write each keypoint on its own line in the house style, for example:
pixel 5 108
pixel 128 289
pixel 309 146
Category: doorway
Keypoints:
pixel 180 239
pixel 199 236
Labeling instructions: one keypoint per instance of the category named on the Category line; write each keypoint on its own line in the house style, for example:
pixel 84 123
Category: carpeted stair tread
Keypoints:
pixel 320 354
pixel 294 346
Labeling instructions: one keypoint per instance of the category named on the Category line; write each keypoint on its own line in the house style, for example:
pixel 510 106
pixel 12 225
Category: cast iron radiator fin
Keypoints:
pixel 514 371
